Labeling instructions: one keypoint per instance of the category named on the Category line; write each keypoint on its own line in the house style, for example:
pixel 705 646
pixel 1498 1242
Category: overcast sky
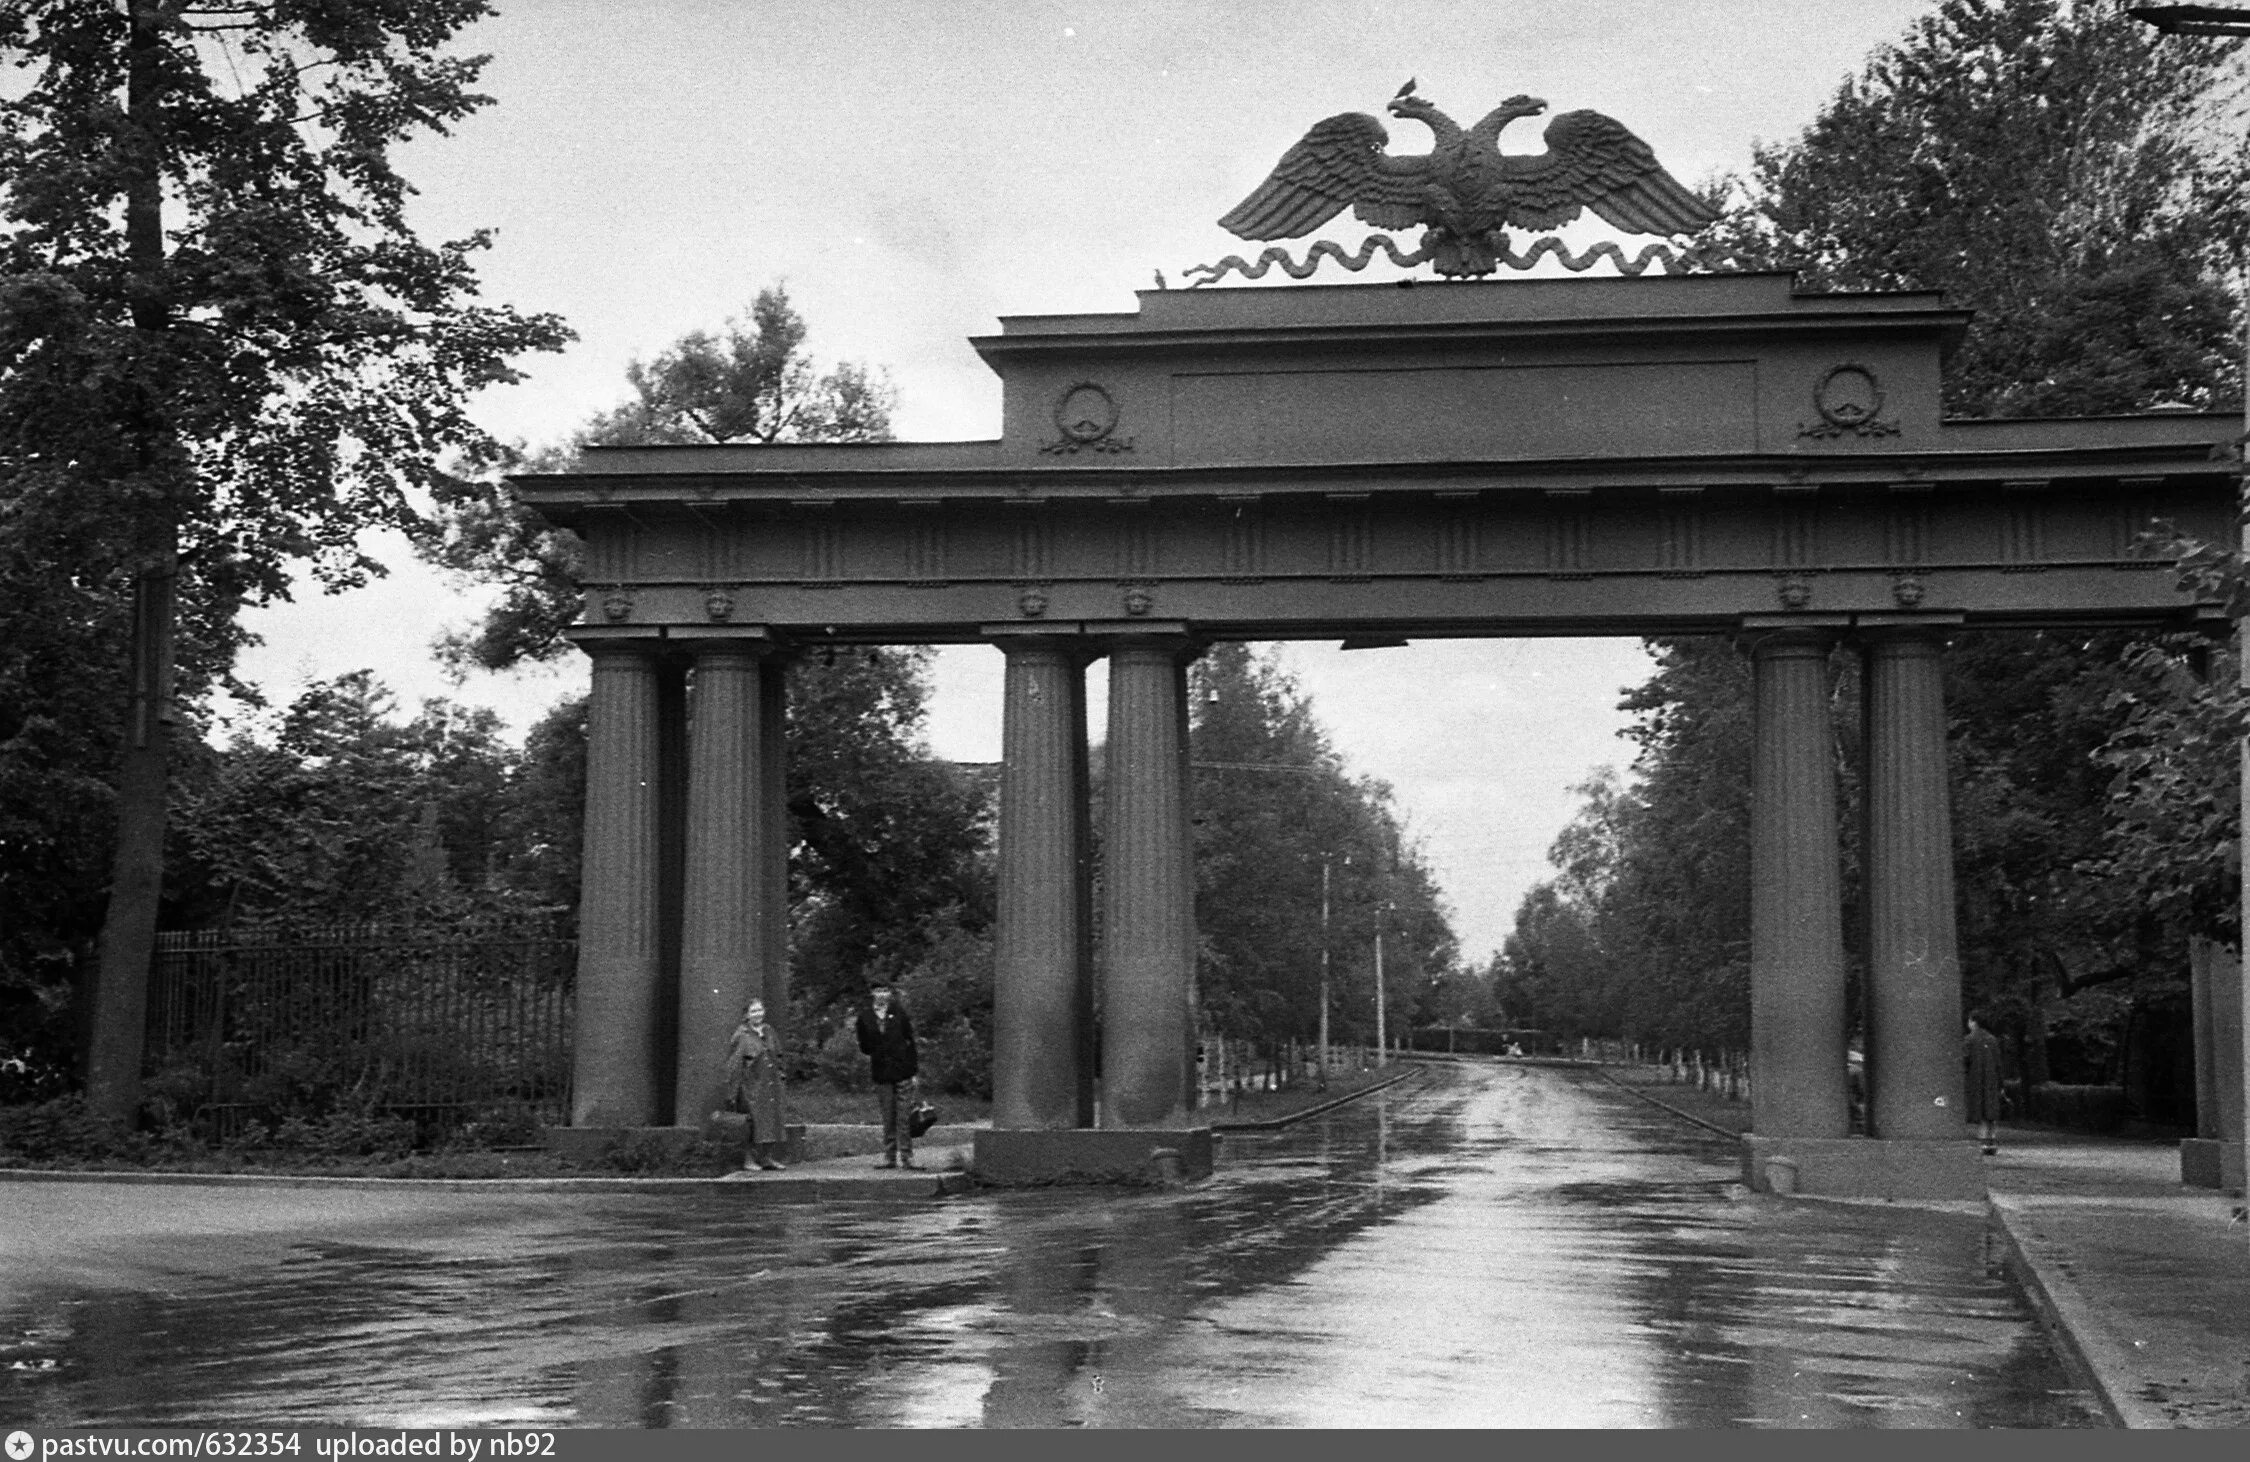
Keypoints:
pixel 914 171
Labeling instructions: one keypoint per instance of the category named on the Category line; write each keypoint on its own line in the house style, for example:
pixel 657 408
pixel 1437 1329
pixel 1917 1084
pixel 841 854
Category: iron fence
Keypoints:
pixel 445 1024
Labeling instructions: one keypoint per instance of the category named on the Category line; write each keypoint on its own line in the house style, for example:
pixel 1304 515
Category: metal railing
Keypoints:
pixel 445 1024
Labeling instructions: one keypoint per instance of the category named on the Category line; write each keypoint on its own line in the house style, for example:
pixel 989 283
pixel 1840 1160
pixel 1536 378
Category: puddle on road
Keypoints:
pixel 1504 1247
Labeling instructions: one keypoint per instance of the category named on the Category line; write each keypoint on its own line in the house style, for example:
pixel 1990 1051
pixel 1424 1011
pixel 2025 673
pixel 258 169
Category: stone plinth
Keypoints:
pixel 1013 1156
pixel 1868 1167
pixel 2213 1158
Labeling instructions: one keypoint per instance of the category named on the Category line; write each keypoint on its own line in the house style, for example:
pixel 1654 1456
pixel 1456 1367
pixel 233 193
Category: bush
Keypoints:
pixel 346 1133
pixel 841 1063
pixel 2077 1108
pixel 62 1132
pixel 957 1058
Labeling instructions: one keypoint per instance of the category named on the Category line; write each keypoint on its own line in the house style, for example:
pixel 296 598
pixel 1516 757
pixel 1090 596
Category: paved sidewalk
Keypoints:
pixel 937 1171
pixel 2144 1282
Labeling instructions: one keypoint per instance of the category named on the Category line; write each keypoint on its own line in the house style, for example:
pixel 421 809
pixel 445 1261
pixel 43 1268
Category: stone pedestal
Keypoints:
pixel 1148 903
pixel 1798 1075
pixel 1043 997
pixel 1865 1167
pixel 1914 972
pixel 615 1062
pixel 1092 1155
pixel 2213 1158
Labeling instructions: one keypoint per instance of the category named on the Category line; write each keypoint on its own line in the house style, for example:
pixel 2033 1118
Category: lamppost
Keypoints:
pixel 2227 20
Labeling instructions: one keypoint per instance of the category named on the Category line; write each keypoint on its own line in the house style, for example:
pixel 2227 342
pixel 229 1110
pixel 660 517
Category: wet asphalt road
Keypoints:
pixel 1491 1246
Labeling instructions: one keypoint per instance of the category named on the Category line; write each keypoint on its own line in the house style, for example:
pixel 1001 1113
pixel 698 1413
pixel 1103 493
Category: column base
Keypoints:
pixel 2210 1162
pixel 1011 1157
pixel 1863 1167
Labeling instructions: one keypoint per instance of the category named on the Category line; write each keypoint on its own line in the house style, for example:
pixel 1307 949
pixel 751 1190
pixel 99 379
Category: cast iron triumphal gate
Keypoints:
pixel 1713 454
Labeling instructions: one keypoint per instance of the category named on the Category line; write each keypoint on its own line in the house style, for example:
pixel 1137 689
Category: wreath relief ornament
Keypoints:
pixel 1464 193
pixel 1849 402
pixel 1086 415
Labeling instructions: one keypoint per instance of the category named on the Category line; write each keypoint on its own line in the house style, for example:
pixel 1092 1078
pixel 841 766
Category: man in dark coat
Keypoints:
pixel 886 1035
pixel 1980 1058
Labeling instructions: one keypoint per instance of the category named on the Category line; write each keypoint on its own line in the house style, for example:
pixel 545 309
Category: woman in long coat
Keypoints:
pixel 754 1085
pixel 1980 1059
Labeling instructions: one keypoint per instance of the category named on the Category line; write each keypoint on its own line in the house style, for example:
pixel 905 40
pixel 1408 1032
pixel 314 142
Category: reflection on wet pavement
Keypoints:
pixel 1492 1246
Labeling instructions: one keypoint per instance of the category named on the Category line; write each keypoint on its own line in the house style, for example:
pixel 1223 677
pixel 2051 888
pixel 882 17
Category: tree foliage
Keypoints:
pixel 223 351
pixel 1644 930
pixel 890 873
pixel 1273 805
pixel 2059 169
pixel 752 382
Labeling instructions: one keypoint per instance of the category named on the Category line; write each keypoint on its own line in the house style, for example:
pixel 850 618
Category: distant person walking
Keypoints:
pixel 754 1087
pixel 886 1035
pixel 1980 1057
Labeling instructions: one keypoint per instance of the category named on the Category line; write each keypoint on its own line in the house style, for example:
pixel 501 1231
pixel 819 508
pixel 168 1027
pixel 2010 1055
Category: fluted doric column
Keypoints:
pixel 720 948
pixel 614 1064
pixel 1148 891
pixel 770 856
pixel 1042 1007
pixel 1799 1082
pixel 1914 969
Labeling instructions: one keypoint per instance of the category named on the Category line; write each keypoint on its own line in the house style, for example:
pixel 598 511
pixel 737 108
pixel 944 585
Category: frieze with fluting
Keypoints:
pixel 1673 556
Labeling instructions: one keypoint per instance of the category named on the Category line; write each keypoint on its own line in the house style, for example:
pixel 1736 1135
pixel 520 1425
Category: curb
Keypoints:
pixel 2063 1313
pixel 940 1184
pixel 1275 1124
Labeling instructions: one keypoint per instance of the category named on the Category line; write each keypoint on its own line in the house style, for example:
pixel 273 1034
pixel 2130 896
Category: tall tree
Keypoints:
pixel 1273 807
pixel 2061 171
pixel 221 341
pixel 2053 165
pixel 889 844
pixel 752 382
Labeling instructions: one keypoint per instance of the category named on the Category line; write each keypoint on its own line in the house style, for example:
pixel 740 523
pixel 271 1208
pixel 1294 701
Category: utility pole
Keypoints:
pixel 1325 859
pixel 1382 1042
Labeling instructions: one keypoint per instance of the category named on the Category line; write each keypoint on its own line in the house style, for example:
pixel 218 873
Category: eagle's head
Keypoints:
pixel 1520 105
pixel 1407 104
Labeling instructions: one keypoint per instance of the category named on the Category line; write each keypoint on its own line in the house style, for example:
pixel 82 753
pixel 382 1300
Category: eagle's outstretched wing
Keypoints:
pixel 1593 161
pixel 1339 163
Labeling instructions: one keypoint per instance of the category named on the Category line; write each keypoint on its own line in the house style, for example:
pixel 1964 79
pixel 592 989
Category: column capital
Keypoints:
pixel 1812 641
pixel 750 641
pixel 1903 639
pixel 1057 649
pixel 1168 642
pixel 639 641
pixel 1932 629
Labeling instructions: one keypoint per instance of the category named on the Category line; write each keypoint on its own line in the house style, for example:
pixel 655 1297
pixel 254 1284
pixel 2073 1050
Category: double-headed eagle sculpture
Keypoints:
pixel 1465 191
